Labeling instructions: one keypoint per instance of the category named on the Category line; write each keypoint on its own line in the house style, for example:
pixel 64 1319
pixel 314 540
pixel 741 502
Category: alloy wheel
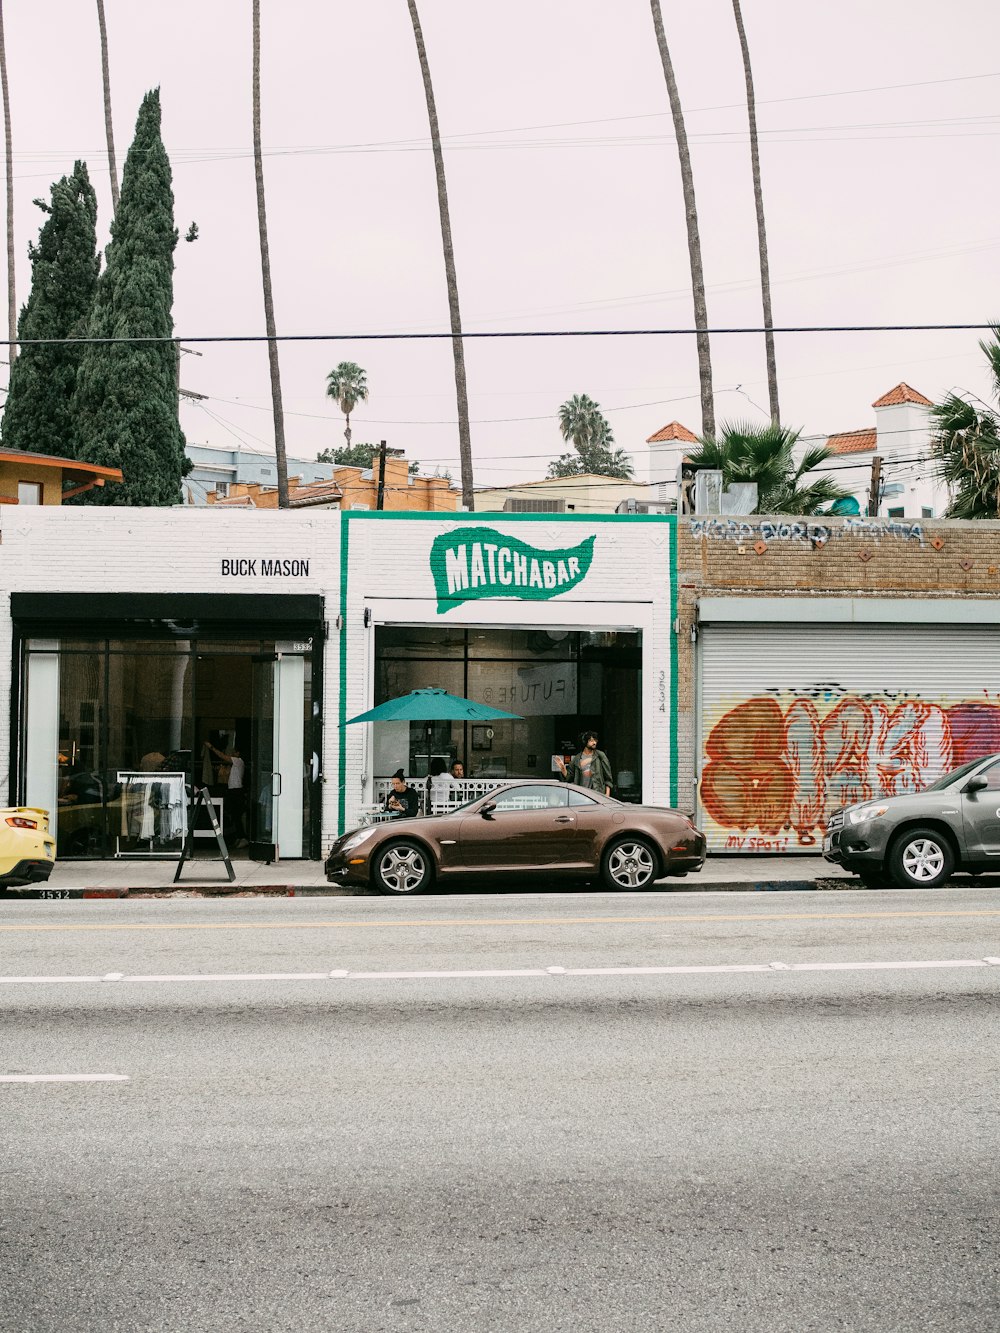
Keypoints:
pixel 403 869
pixel 923 860
pixel 630 865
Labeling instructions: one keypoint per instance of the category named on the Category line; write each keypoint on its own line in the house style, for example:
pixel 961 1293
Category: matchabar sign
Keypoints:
pixel 472 563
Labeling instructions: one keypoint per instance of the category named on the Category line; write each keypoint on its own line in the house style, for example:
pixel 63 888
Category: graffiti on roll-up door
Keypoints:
pixel 775 765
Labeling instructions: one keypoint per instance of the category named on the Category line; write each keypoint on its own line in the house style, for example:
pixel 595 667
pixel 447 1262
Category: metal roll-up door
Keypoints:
pixel 796 720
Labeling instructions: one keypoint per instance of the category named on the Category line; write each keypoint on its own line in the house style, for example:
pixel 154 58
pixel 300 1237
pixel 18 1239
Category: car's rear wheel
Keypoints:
pixel 629 863
pixel 921 858
pixel 403 867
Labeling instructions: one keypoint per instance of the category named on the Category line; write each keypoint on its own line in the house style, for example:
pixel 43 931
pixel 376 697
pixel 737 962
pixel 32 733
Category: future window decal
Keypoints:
pixel 472 563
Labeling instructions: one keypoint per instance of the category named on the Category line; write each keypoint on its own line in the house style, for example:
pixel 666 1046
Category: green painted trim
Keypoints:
pixel 341 685
pixel 674 684
pixel 494 516
pixel 369 515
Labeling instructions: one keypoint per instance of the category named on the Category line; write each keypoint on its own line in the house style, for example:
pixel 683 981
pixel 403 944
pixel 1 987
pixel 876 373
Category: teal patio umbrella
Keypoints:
pixel 433 705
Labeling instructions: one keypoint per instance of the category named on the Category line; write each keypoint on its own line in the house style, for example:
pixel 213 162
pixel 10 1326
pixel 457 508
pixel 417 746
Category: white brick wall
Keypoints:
pixel 628 586
pixel 162 550
pixel 80 550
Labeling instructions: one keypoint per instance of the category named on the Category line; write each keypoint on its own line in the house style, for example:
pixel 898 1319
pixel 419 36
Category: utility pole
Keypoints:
pixel 875 488
pixel 380 498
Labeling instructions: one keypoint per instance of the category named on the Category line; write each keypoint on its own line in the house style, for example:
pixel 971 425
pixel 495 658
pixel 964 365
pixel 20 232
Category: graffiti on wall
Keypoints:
pixel 808 532
pixel 773 771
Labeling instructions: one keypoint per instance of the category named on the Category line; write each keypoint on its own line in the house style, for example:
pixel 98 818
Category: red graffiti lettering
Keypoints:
pixel 772 770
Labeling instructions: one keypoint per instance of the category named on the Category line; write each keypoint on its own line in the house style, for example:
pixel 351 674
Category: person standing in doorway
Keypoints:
pixel 589 767
pixel 232 771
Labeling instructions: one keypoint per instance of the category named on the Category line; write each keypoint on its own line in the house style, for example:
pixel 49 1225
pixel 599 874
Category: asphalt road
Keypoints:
pixel 539 1136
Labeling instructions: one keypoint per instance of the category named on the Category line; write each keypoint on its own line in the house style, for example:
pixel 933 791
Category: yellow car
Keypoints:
pixel 27 852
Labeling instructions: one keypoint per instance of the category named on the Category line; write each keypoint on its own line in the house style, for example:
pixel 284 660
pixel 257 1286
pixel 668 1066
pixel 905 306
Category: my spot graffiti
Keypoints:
pixel 774 771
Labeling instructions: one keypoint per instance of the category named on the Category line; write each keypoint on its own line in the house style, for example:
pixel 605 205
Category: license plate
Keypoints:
pixel 828 842
pixel 49 853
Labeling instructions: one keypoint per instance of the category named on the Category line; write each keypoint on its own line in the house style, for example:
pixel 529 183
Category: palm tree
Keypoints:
pixel 967 447
pixel 691 219
pixel 457 346
pixel 109 129
pixel 265 269
pixel 348 384
pixel 765 454
pixel 584 425
pixel 758 199
pixel 11 299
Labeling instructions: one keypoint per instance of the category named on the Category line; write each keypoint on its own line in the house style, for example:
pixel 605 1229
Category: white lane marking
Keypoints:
pixel 64 1078
pixel 907 965
pixel 233 976
pixel 435 976
pixel 44 981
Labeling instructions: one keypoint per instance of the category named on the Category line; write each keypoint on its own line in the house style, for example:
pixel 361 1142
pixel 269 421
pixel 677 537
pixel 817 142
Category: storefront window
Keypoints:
pixel 557 681
pixel 235 716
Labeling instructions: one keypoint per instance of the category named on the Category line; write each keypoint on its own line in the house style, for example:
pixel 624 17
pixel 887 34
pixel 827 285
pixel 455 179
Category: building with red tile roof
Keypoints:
pixel 902 393
pixel 674 432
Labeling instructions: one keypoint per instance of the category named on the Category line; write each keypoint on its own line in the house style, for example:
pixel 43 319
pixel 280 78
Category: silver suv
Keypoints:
pixel 917 841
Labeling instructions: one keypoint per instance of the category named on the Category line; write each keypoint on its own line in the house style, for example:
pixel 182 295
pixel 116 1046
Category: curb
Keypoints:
pixel 819 885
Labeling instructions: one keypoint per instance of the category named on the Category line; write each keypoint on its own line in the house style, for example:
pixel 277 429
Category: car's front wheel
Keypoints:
pixel 402 867
pixel 629 863
pixel 921 858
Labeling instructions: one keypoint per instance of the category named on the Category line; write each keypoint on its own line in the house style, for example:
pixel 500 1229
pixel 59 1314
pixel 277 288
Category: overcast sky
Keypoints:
pixel 882 201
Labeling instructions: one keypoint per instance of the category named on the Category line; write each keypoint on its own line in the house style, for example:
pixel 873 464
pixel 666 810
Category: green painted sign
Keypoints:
pixel 471 563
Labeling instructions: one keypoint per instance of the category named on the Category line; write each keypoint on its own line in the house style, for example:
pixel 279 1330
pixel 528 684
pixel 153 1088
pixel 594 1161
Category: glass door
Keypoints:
pixel 260 769
pixel 277 751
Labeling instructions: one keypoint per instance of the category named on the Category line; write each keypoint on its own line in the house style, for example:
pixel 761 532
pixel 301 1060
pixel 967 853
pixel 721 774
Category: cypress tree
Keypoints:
pixel 126 393
pixel 64 268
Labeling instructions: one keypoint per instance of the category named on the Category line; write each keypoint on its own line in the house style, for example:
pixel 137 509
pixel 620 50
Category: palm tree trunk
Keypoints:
pixel 109 129
pixel 457 346
pixel 691 218
pixel 347 428
pixel 11 300
pixel 265 269
pixel 758 199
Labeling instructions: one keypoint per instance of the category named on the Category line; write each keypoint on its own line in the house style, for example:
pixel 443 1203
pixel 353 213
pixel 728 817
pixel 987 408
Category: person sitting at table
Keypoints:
pixel 440 786
pixel 402 801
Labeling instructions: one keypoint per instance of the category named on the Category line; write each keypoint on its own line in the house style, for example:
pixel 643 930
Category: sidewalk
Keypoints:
pixel 756 874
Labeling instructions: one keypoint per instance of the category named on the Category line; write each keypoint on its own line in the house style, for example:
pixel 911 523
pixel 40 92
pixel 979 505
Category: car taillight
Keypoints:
pixel 18 821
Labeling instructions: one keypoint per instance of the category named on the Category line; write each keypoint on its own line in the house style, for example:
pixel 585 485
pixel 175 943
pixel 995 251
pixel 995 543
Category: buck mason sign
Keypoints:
pixel 471 563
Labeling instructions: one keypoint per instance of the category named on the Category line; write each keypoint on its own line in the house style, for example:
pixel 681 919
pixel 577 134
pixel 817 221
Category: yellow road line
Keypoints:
pixel 450 922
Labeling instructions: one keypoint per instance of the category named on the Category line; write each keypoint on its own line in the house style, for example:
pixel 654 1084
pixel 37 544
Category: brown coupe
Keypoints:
pixel 526 828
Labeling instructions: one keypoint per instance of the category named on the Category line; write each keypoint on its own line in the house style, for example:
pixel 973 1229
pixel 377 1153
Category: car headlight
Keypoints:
pixel 861 814
pixel 356 839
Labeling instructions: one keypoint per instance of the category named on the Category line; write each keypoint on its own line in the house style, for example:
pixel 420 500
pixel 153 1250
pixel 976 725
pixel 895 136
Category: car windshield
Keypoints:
pixel 955 775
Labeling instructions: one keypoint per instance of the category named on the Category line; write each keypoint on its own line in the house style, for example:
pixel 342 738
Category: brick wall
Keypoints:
pixel 755 556
pixel 182 549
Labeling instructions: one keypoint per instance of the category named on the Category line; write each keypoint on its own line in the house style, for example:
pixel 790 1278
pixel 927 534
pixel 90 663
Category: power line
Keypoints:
pixel 745 330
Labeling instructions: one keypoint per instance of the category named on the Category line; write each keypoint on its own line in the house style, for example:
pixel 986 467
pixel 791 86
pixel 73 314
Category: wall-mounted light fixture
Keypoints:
pixel 368 616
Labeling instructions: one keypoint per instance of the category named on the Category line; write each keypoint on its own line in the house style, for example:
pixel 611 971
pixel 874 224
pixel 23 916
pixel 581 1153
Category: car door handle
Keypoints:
pixel 564 819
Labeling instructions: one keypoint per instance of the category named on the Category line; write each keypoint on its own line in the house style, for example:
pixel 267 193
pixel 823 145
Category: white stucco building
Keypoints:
pixel 152 641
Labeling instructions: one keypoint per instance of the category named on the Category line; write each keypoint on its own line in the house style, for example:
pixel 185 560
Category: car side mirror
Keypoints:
pixel 978 783
pixel 487 810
